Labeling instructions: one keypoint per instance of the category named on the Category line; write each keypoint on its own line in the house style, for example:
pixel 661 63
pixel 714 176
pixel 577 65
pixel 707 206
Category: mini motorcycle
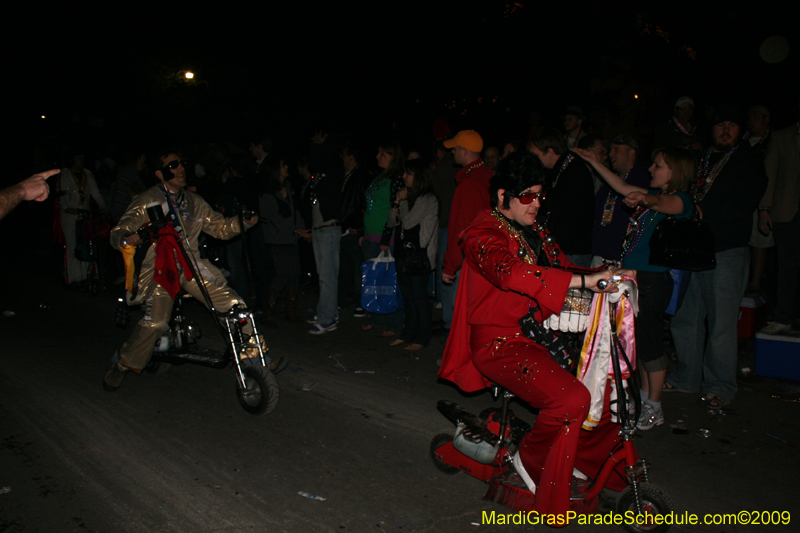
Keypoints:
pixel 256 387
pixel 483 445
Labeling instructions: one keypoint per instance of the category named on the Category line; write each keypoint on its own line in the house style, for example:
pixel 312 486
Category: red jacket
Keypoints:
pixel 496 289
pixel 471 197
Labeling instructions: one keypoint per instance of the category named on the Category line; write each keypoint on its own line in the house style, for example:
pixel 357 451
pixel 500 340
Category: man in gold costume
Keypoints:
pixel 158 276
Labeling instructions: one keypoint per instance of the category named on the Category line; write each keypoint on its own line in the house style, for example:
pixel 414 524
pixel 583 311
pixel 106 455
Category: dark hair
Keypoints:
pixel 351 149
pixel 682 164
pixel 545 138
pixel 396 165
pixel 587 142
pixel 156 161
pixel 423 179
pixel 273 174
pixel 69 154
pixel 265 141
pixel 514 174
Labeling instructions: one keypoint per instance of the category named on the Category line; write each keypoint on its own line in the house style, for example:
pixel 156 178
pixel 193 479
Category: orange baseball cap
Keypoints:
pixel 468 139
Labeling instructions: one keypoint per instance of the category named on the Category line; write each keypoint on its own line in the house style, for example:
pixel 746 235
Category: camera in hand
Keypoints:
pixel 157 221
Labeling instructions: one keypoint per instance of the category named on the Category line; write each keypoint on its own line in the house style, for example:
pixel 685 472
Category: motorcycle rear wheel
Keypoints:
pixel 438 441
pixel 261 392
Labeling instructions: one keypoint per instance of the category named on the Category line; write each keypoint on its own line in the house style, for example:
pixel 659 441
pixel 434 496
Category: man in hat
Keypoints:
pixel 471 197
pixel 730 180
pixel 680 130
pixel 573 125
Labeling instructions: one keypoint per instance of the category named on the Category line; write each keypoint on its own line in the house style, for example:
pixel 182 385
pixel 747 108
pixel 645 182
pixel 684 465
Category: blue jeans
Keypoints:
pixel 325 242
pixel 716 295
pixel 446 292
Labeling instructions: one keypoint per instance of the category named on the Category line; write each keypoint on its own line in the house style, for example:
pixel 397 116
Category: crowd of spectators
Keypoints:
pixel 324 213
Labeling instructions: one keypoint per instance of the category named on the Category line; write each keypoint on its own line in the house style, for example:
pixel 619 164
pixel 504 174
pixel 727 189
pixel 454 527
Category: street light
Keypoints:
pixel 185 75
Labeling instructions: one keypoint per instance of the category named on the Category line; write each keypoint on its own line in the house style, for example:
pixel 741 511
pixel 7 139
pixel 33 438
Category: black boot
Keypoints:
pixel 291 306
pixel 268 316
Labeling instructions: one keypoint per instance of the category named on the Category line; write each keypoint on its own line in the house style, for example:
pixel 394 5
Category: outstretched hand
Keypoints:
pixel 319 137
pixel 35 187
pixel 635 198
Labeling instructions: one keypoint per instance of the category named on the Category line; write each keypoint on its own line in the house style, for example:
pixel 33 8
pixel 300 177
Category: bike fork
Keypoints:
pixel 234 326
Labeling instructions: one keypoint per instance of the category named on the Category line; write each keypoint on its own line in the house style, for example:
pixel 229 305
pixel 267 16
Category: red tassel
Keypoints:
pixel 513 494
pixel 516 498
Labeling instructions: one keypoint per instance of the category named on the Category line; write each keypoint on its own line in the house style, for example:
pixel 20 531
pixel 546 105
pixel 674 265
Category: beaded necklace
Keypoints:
pixel 526 252
pixel 347 177
pixel 564 165
pixel 706 175
pixel 80 186
pixel 470 169
pixel 611 200
pixel 372 189
pixel 637 226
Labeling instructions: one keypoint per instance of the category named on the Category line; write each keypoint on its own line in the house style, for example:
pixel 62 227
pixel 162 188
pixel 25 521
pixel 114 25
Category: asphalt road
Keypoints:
pixel 174 452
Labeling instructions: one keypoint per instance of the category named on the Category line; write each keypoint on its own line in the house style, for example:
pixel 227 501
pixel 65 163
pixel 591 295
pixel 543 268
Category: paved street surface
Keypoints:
pixel 175 452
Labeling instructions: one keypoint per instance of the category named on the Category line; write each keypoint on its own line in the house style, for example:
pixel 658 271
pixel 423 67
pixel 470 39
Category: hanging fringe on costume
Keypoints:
pixel 595 365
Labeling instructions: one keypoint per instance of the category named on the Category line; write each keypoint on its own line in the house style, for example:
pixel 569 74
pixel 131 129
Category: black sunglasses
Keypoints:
pixel 175 163
pixel 528 197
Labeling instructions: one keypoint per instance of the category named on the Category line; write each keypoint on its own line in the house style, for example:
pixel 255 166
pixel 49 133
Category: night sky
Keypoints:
pixel 378 69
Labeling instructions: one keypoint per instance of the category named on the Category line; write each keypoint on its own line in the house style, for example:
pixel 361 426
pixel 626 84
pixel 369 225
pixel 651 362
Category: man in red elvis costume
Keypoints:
pixel 508 260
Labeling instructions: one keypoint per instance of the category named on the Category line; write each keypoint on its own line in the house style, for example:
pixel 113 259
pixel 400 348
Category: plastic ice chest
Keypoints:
pixel 778 356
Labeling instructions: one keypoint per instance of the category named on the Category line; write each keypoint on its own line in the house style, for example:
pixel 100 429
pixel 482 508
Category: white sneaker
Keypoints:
pixel 319 329
pixel 517 462
pixel 650 417
pixel 775 328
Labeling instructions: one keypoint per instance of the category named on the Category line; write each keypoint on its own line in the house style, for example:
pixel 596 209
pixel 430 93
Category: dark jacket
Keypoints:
pixel 326 186
pixel 729 204
pixel 354 198
pixel 568 211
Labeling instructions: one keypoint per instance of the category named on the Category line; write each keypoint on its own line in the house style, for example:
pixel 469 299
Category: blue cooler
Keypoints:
pixel 778 356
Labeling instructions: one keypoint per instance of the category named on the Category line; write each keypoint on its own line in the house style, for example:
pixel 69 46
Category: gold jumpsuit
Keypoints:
pixel 197 216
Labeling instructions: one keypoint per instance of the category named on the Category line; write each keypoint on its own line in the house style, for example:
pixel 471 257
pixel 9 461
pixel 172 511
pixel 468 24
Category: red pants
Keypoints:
pixel 556 444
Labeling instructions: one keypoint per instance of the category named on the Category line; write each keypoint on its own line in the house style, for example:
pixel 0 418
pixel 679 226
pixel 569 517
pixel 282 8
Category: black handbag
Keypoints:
pixel 683 244
pixel 564 348
pixel 416 260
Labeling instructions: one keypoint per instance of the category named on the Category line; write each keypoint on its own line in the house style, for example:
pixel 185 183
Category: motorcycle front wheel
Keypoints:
pixel 653 501
pixel 261 392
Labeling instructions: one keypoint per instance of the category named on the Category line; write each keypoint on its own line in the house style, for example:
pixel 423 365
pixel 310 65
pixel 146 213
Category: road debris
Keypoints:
pixel 311 496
